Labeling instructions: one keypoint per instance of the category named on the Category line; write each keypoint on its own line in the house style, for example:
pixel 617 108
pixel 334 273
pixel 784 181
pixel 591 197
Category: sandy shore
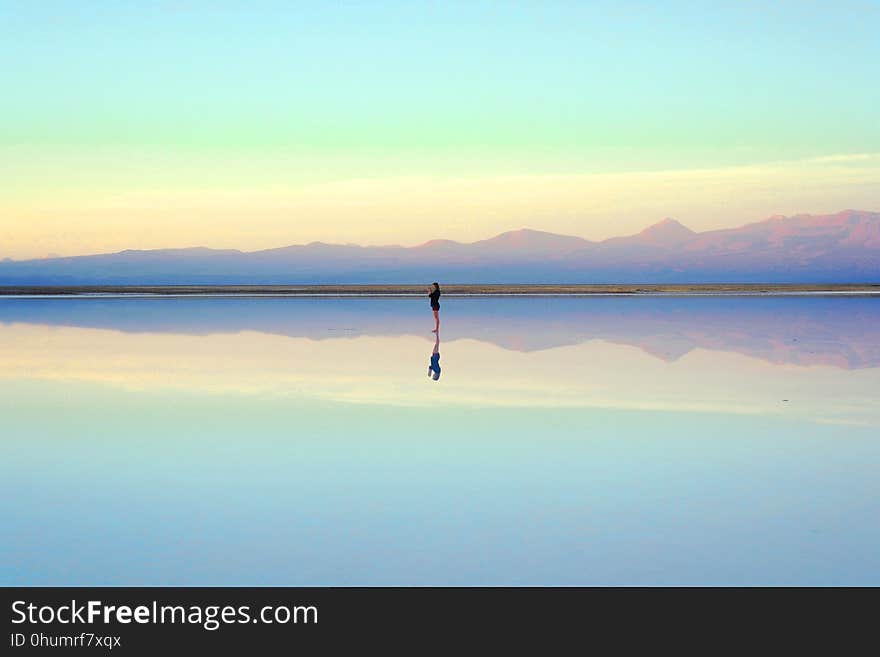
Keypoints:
pixel 448 290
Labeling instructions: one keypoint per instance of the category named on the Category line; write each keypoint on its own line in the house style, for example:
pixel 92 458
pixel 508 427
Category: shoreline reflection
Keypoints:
pixel 835 332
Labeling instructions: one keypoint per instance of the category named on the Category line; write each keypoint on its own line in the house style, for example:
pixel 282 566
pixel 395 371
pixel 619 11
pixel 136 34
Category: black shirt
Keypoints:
pixel 435 299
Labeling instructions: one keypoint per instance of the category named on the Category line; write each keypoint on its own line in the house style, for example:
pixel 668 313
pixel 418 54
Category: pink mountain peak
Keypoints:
pixel 528 237
pixel 814 221
pixel 523 234
pixel 438 243
pixel 668 224
pixel 667 232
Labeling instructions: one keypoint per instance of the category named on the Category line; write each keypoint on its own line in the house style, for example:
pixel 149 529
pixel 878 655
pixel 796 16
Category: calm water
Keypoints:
pixel 566 441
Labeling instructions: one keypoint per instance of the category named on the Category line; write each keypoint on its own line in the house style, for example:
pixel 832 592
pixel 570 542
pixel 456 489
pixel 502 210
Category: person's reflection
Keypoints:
pixel 434 365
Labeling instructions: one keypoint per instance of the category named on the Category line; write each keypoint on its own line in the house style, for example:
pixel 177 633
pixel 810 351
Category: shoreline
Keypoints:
pixel 706 289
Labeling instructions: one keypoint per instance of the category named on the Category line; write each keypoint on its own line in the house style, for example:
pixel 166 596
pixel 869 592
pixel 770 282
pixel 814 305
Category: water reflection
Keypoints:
pixel 434 362
pixel 820 357
pixel 582 441
pixel 838 332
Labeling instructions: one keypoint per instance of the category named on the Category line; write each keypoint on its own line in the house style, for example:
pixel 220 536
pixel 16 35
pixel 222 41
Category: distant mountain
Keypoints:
pixel 667 233
pixel 529 244
pixel 842 247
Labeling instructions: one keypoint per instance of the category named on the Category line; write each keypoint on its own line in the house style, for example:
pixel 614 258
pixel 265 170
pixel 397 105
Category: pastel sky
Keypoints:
pixel 259 124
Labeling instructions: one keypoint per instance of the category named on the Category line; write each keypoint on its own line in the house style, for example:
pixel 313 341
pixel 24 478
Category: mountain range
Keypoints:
pixel 841 247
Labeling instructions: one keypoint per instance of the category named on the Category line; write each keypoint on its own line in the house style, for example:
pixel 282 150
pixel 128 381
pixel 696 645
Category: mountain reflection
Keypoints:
pixel 805 331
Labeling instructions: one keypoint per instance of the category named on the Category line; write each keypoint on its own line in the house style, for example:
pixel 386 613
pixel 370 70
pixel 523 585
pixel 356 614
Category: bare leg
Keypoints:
pixel 436 321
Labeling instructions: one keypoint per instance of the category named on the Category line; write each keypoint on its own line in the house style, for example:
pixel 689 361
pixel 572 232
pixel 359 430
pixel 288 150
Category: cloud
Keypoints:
pixel 844 157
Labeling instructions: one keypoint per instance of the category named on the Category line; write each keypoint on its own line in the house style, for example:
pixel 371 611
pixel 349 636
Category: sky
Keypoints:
pixel 259 124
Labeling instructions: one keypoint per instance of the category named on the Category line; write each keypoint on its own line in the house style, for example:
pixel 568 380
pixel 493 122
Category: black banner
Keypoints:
pixel 149 620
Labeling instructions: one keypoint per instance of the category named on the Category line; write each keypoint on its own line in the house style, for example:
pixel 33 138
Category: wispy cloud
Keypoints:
pixel 844 157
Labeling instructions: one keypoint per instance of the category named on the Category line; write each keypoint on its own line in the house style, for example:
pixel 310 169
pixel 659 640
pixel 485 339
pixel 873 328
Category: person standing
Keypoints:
pixel 434 294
